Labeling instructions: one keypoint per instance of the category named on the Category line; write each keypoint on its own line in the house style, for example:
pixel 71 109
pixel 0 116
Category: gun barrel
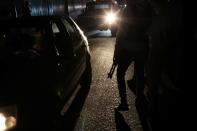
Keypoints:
pixel 110 74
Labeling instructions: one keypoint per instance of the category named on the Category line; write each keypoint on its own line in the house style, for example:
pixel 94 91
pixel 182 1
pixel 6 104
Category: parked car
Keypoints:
pixel 43 59
pixel 101 15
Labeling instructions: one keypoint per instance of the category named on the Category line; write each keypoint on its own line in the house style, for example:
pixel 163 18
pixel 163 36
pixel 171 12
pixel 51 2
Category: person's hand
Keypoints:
pixel 115 59
pixel 116 56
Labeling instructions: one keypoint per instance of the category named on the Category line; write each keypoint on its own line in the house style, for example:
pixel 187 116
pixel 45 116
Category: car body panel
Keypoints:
pixel 42 63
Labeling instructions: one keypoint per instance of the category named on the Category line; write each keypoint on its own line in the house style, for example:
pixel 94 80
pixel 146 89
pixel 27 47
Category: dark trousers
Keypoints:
pixel 123 65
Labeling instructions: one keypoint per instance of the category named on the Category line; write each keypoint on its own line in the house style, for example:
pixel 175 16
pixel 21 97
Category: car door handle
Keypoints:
pixel 60 68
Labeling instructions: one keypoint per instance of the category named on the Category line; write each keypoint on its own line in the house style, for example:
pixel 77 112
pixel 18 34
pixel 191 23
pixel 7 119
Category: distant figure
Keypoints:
pixel 90 5
pixel 12 9
pixel 132 45
pixel 25 9
pixel 8 8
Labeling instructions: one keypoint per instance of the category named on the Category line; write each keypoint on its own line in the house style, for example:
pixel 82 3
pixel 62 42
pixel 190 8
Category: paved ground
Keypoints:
pixel 98 110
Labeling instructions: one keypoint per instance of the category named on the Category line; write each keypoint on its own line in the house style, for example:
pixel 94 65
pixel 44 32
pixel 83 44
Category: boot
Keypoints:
pixel 123 106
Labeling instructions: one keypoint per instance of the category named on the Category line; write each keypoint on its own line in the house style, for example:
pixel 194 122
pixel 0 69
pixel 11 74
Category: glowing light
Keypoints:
pixel 10 122
pixel 110 18
pixel 2 122
pixel 6 123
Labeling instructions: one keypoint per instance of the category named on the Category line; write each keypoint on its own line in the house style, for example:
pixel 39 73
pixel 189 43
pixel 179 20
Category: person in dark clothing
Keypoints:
pixel 25 9
pixel 12 9
pixel 165 68
pixel 132 45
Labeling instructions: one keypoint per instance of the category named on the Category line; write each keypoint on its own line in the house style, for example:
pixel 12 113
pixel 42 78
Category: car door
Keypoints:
pixel 79 48
pixel 68 57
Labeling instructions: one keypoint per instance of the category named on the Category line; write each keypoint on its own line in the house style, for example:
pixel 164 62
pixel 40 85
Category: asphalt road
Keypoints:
pixel 95 109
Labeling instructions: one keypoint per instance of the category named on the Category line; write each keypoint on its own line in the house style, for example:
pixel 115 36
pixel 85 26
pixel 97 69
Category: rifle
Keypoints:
pixel 111 72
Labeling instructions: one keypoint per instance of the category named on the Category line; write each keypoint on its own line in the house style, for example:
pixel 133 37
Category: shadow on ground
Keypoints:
pixel 73 113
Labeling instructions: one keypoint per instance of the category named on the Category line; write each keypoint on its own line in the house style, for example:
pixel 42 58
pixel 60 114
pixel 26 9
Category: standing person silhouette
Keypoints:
pixel 12 9
pixel 132 45
pixel 25 9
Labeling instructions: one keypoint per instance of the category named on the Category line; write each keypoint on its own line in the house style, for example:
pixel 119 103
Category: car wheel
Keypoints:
pixel 87 75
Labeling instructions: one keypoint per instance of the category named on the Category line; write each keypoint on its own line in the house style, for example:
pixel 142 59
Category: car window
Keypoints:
pixel 69 28
pixel 55 29
pixel 73 32
pixel 61 40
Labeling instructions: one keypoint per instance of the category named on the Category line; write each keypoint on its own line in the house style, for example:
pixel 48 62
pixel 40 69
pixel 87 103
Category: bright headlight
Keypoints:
pixel 110 18
pixel 8 117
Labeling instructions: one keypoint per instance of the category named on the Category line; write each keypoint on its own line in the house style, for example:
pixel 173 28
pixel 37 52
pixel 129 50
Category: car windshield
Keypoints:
pixel 102 6
pixel 98 6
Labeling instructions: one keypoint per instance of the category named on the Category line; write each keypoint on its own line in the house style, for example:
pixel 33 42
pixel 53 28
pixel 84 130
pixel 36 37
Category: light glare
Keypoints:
pixel 2 122
pixel 110 18
pixel 10 122
pixel 6 123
